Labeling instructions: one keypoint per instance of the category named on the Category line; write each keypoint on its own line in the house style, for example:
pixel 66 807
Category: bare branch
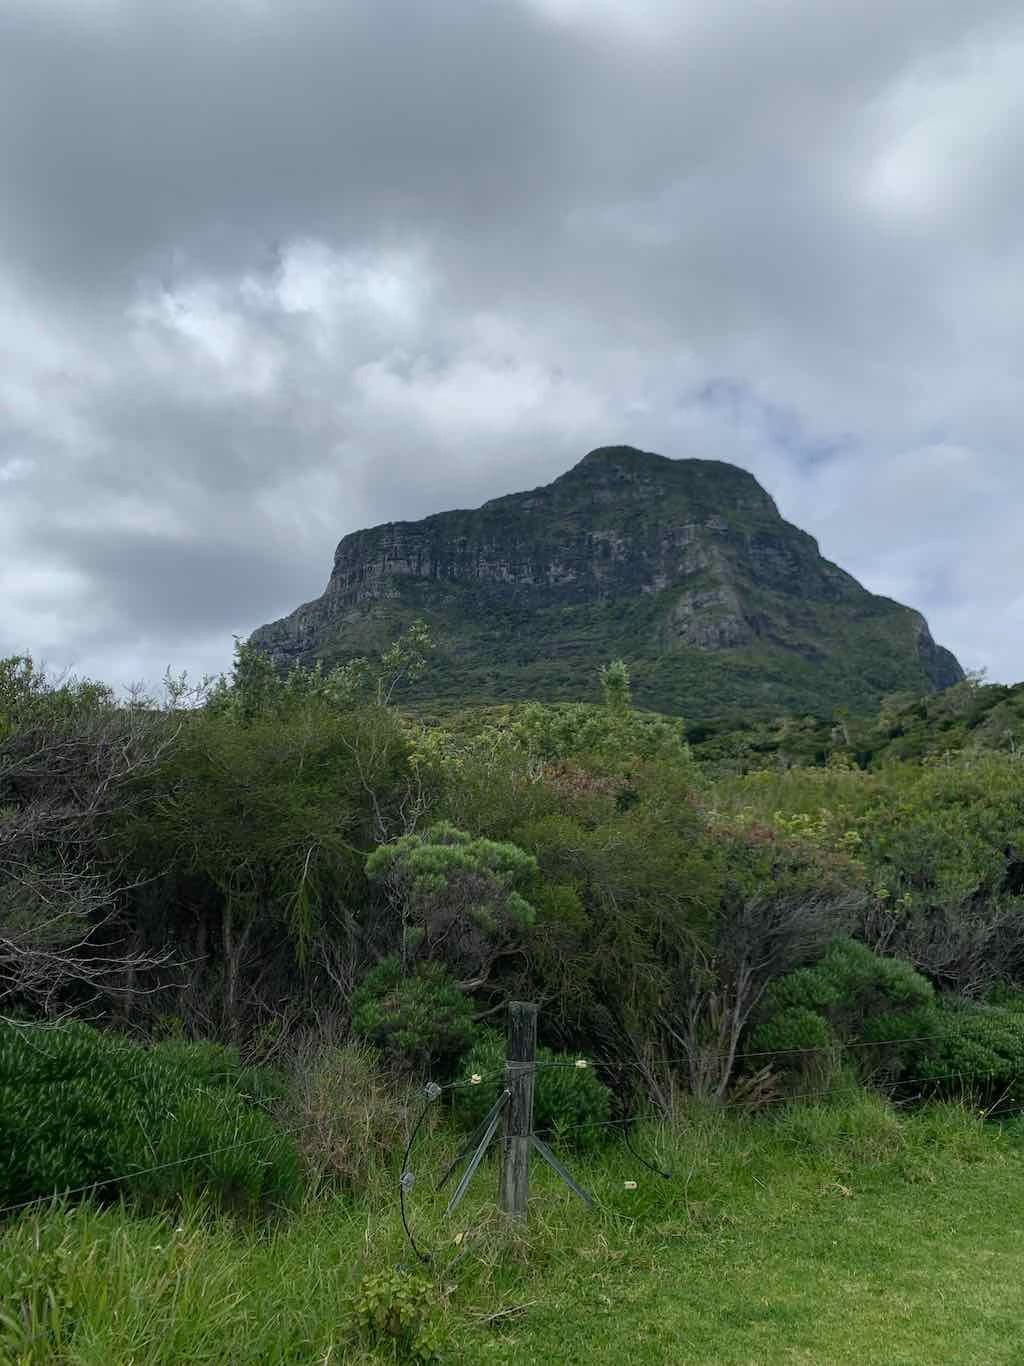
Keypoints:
pixel 66 769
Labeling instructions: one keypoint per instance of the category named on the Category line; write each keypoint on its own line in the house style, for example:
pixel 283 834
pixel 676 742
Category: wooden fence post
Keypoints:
pixel 520 1056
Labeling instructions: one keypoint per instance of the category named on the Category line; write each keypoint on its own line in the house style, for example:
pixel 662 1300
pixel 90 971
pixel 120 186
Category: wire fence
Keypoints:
pixel 970 1077
pixel 433 1091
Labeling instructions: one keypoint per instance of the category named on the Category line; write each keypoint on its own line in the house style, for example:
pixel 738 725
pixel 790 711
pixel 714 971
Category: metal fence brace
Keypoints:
pixel 484 1144
pixel 559 1170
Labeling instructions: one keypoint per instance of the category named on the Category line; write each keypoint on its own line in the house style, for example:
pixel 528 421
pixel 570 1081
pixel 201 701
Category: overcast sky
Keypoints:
pixel 274 270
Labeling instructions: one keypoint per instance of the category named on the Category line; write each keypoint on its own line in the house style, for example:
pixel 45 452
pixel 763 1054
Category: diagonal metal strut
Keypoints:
pixel 474 1138
pixel 484 1144
pixel 557 1167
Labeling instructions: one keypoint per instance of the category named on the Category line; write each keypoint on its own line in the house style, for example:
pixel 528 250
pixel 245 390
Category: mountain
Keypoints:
pixel 683 567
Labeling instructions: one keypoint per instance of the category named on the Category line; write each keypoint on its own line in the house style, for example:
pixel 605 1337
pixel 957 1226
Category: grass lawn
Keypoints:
pixel 802 1252
pixel 887 1274
pixel 843 1233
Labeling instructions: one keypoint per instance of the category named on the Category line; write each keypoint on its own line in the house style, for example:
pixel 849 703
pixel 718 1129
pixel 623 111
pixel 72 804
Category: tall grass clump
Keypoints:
pixel 350 1114
pixel 220 1067
pixel 88 1284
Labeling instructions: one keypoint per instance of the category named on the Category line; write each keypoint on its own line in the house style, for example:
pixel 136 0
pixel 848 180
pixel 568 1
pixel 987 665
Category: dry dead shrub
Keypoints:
pixel 351 1114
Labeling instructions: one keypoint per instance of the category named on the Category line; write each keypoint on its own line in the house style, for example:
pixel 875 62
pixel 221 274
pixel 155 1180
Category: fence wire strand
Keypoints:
pixel 433 1091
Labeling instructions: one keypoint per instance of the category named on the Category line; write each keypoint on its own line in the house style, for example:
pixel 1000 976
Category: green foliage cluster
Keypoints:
pixel 899 1028
pixel 940 848
pixel 257 690
pixel 569 1103
pixel 79 1108
pixel 614 733
pixel 419 1018
pixel 811 1014
pixel 445 863
pixel 958 1049
pixel 846 988
pixel 398 1310
pixel 315 854
pixel 970 718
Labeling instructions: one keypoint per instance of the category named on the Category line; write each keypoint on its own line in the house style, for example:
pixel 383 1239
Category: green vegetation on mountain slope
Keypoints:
pixel 684 568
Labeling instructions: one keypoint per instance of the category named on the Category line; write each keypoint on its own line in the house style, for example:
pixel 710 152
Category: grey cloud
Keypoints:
pixel 271 272
pixel 138 138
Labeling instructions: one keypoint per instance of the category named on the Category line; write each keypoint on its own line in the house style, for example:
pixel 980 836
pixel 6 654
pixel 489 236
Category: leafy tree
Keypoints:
pixel 266 822
pixel 456 896
pixel 616 689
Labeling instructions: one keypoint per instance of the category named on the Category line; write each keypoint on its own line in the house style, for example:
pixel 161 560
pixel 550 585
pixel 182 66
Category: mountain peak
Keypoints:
pixel 684 568
pixel 621 455
pixel 703 481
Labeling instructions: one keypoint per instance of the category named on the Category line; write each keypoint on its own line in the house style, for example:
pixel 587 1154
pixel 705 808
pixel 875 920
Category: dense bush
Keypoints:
pixel 419 1019
pixel 295 830
pixel 564 1097
pixel 809 1015
pixel 454 897
pixel 79 1108
pixel 848 986
pixel 903 1035
pixel 941 848
pixel 957 1049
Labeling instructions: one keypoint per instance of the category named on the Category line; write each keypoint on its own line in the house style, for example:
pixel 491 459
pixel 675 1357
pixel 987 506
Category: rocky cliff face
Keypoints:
pixel 684 567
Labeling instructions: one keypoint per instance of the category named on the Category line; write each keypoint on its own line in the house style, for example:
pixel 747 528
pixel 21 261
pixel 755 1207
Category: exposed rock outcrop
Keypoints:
pixel 684 567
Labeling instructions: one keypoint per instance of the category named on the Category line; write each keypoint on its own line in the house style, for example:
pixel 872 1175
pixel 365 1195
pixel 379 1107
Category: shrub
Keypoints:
pixel 79 1108
pixel 850 984
pixel 417 1019
pixel 959 1049
pixel 800 1042
pixel 564 1097
pixel 810 1014
pixel 350 1115
pixel 460 898
pixel 903 1033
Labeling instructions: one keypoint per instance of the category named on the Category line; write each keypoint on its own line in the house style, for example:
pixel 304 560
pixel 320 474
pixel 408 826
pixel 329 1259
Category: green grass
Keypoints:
pixel 826 1234
pixel 825 1261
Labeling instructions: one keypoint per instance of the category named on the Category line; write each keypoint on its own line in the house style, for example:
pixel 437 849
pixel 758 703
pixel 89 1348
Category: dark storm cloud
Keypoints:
pixel 272 271
pixel 141 137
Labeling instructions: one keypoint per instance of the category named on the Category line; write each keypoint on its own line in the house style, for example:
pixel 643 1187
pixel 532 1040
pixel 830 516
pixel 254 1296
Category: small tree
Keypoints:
pixel 616 688
pixel 455 897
